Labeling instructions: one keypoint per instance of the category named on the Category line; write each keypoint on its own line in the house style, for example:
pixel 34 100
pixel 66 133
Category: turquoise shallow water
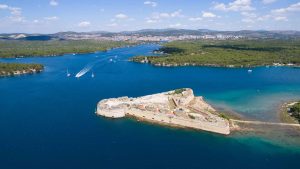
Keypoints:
pixel 47 120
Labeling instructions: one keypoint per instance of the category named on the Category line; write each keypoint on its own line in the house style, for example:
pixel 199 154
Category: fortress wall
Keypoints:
pixel 222 128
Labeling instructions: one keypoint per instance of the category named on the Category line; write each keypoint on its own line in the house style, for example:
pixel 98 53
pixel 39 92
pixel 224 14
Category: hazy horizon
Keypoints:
pixel 143 30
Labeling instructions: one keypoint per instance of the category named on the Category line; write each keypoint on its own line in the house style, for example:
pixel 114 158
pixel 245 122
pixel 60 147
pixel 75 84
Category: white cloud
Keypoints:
pixel 268 1
pixel 53 3
pixel 3 6
pixel 237 5
pixel 175 14
pixel 15 13
pixel 84 24
pixel 248 20
pixel 51 18
pixel 292 8
pixel 195 19
pixel 112 25
pixel 150 3
pixel 151 21
pixel 280 18
pixel 249 14
pixel 175 25
pixel 263 18
pixel 208 15
pixel 121 16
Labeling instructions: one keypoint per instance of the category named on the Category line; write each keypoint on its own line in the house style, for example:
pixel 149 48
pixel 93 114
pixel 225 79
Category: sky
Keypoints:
pixel 50 16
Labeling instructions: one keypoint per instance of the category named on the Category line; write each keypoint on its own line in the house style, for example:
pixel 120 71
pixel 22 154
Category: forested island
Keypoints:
pixel 226 53
pixel 12 69
pixel 22 48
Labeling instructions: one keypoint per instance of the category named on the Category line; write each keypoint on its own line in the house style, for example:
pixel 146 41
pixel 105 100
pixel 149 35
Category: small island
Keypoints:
pixel 173 108
pixel 13 69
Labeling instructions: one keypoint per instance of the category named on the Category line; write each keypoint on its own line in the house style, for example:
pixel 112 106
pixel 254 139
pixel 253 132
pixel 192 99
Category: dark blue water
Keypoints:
pixel 47 120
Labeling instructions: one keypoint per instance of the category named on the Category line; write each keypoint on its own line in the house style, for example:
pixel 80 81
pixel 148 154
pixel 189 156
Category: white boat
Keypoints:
pixel 249 71
pixel 68 74
pixel 110 60
pixel 93 75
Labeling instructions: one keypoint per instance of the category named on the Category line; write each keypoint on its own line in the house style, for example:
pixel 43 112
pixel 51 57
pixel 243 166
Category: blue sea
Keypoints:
pixel 48 120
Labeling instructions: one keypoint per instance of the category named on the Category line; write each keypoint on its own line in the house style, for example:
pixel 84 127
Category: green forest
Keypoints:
pixel 295 111
pixel 7 69
pixel 17 48
pixel 232 53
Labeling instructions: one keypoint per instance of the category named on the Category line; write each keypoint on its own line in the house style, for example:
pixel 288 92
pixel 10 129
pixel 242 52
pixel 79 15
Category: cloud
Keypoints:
pixel 268 1
pixel 280 18
pixel 84 24
pixel 53 3
pixel 292 8
pixel 195 19
pixel 15 13
pixel 160 16
pixel 248 20
pixel 208 15
pixel 237 5
pixel 3 6
pixel 163 15
pixel 51 18
pixel 150 3
pixel 112 25
pixel 175 25
pixel 121 16
pixel 151 21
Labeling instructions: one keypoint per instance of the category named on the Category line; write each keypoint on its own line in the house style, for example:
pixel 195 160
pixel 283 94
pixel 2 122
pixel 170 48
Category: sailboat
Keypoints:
pixel 68 74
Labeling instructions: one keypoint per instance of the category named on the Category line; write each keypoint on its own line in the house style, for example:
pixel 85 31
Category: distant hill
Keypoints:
pixel 259 34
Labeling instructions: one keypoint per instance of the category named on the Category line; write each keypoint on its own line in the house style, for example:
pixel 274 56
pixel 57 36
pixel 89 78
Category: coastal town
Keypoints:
pixel 173 108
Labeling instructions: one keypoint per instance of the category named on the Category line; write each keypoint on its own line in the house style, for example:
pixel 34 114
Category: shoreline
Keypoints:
pixel 211 65
pixel 283 114
pixel 20 73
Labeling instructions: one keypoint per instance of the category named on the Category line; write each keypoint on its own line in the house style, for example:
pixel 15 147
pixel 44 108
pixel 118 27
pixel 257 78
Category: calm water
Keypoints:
pixel 47 120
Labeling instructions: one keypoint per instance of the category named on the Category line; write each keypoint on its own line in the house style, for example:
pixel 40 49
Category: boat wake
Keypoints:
pixel 88 67
pixel 84 70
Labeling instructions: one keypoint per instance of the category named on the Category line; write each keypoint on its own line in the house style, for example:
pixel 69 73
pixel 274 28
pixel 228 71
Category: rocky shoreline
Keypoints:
pixel 18 73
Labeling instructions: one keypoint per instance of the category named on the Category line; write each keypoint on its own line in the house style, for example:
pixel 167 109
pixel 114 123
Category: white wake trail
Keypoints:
pixel 90 66
pixel 84 71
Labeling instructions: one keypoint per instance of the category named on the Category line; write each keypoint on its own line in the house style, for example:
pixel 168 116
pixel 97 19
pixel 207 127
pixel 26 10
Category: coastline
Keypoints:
pixel 16 69
pixel 212 65
pixel 19 73
pixel 283 114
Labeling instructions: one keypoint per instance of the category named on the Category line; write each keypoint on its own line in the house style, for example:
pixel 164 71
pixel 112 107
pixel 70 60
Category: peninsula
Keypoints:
pixel 13 69
pixel 174 108
pixel 226 53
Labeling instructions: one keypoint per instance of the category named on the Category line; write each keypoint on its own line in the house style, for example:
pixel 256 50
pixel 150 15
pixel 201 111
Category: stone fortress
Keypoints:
pixel 175 108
